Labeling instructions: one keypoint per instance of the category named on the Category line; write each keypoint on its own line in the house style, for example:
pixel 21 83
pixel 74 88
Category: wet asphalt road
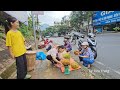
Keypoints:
pixel 108 49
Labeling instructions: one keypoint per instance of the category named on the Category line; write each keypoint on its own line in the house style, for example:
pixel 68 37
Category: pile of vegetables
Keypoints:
pixel 66 60
pixel 66 56
pixel 74 65
pixel 76 52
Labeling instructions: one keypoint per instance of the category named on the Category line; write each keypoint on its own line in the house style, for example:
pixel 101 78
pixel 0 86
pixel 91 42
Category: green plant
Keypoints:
pixel 1 27
pixel 27 31
pixel 1 35
pixel 78 17
pixel 116 29
pixel 23 29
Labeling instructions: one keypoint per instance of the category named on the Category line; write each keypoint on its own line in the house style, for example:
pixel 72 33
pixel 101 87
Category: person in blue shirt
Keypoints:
pixel 86 55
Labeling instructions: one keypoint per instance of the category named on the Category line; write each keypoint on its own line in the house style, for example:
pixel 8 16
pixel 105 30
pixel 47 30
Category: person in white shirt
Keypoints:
pixel 53 54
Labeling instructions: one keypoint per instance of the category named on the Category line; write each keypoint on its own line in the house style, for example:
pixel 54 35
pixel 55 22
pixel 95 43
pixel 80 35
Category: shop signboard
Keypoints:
pixel 105 17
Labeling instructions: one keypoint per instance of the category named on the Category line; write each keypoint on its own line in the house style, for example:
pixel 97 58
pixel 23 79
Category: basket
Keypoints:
pixel 31 58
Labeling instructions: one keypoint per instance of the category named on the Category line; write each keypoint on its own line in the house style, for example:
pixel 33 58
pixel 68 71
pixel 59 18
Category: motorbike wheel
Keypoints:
pixel 94 51
pixel 95 54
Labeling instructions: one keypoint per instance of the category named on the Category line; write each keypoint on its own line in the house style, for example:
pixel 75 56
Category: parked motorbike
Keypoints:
pixel 75 37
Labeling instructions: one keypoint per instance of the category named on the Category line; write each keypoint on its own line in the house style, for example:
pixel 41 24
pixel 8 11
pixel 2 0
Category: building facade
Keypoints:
pixel 106 20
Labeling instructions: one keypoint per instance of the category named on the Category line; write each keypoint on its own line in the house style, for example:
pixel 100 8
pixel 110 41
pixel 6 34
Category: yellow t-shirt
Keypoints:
pixel 16 41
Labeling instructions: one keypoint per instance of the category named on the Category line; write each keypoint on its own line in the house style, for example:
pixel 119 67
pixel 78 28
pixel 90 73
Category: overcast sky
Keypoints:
pixel 50 16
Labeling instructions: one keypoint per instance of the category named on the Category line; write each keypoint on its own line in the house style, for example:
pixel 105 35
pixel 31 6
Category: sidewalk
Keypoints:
pixel 44 70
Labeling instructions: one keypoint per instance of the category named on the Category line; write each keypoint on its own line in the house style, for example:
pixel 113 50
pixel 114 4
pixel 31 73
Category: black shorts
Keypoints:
pixel 49 57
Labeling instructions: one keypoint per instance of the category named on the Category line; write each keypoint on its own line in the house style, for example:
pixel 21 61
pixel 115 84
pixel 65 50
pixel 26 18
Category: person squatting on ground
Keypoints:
pixel 67 45
pixel 86 55
pixel 46 42
pixel 53 54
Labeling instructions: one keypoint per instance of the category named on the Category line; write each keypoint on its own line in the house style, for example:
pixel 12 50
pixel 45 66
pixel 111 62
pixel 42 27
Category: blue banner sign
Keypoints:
pixel 105 17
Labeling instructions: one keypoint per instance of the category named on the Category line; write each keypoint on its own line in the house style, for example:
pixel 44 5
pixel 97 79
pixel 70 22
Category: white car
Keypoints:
pixel 47 36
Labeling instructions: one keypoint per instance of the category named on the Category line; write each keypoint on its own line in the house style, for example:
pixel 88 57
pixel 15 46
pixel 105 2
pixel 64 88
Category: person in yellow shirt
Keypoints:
pixel 16 45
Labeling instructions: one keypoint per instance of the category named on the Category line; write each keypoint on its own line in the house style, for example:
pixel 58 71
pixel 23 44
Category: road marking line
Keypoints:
pixel 99 63
pixel 108 67
pixel 115 71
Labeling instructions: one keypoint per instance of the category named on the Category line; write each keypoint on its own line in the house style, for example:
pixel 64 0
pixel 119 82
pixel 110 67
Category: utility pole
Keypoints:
pixel 36 13
pixel 34 31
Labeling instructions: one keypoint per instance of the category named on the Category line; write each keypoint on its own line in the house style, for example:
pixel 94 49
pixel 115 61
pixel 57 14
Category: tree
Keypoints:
pixel 59 27
pixel 28 31
pixel 76 19
pixel 65 21
pixel 88 17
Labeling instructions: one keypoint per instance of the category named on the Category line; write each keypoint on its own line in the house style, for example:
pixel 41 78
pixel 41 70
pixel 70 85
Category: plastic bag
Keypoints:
pixel 40 56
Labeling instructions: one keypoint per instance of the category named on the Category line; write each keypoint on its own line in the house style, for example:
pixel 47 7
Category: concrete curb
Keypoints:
pixel 8 71
pixel 0 78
